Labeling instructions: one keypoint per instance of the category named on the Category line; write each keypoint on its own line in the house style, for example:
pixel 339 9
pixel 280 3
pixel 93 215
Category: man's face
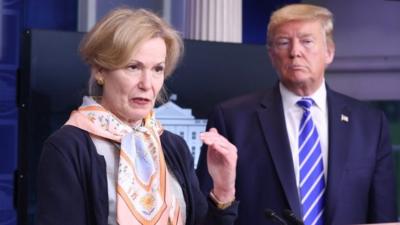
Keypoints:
pixel 300 54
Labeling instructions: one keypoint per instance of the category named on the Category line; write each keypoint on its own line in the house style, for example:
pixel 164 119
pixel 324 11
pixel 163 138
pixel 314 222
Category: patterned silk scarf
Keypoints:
pixel 144 195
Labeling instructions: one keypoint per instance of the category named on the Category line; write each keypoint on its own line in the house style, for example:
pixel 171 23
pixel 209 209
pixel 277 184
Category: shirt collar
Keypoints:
pixel 290 99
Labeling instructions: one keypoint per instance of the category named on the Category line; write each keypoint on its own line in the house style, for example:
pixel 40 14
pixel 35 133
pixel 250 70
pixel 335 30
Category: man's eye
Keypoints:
pixel 307 41
pixel 282 43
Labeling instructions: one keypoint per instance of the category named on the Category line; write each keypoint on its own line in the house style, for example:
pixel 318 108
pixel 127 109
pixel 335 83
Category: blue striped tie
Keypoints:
pixel 312 182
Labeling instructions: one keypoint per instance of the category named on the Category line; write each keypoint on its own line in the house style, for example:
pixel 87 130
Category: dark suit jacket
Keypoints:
pixel 72 182
pixel 361 183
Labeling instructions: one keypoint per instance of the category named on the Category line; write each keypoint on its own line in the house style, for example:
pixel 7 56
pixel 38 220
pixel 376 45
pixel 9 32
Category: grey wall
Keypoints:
pixel 367 36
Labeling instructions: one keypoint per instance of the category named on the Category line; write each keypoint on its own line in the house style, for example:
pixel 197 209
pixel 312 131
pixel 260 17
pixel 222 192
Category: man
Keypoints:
pixel 304 149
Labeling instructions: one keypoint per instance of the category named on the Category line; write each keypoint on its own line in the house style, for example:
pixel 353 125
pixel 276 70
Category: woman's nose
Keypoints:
pixel 145 80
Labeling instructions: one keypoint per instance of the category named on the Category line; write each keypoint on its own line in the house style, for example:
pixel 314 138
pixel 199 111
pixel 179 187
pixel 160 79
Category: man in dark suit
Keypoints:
pixel 303 148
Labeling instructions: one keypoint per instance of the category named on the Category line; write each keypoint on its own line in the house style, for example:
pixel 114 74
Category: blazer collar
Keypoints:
pixel 340 118
pixel 272 120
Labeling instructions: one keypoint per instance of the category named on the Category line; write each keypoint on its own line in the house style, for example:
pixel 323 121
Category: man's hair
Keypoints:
pixel 301 12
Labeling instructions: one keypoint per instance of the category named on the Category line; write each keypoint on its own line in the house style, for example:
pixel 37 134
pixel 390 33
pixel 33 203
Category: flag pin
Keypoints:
pixel 344 118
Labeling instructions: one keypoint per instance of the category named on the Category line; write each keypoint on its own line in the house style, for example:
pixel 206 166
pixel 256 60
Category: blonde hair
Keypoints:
pixel 111 42
pixel 302 12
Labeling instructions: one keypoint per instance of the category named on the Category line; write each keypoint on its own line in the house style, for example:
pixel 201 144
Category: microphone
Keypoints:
pixel 270 214
pixel 288 214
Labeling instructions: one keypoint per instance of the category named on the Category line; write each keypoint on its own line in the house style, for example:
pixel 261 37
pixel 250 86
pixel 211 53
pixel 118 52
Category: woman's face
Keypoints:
pixel 130 92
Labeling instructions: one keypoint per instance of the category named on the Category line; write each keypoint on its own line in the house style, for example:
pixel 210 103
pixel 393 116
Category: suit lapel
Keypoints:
pixel 272 121
pixel 339 117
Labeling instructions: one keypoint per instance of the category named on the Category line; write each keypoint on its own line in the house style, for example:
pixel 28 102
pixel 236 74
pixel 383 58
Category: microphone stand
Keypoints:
pixel 270 214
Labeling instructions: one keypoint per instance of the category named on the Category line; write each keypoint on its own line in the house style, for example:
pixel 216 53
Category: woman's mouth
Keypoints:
pixel 140 101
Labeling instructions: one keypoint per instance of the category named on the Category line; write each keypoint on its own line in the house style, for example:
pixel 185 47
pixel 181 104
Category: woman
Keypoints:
pixel 112 162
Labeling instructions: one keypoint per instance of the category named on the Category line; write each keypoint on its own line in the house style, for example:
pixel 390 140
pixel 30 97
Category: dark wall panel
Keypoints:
pixel 256 15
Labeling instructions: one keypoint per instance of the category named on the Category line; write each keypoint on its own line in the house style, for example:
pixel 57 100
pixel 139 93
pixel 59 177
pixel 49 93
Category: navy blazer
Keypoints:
pixel 360 182
pixel 72 182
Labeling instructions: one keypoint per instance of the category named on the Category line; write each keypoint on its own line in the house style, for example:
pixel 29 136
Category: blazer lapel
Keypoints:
pixel 272 121
pixel 339 117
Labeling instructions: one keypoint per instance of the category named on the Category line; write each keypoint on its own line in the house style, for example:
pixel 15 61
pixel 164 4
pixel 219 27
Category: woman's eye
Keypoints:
pixel 133 67
pixel 159 69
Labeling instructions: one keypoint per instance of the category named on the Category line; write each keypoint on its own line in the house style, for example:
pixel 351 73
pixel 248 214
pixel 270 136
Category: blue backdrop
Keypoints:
pixel 10 24
pixel 15 16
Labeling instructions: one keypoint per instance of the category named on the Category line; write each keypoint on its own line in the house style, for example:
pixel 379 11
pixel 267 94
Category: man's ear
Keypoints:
pixel 330 53
pixel 271 55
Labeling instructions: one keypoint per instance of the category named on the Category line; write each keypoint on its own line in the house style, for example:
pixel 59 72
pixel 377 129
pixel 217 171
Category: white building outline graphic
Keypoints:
pixel 180 121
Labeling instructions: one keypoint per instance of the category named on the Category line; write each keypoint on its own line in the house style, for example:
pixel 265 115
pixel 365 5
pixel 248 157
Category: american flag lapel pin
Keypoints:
pixel 344 118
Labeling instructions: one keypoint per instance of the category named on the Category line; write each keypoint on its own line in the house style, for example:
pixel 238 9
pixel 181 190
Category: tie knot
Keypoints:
pixel 305 103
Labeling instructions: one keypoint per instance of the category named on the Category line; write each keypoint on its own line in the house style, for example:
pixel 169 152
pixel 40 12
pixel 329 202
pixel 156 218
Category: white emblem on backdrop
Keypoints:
pixel 180 121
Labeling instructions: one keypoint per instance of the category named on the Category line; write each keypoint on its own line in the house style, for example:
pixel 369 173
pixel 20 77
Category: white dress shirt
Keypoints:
pixel 293 114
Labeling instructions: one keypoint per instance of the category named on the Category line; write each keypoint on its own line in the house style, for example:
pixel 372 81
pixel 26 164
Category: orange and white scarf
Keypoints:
pixel 144 196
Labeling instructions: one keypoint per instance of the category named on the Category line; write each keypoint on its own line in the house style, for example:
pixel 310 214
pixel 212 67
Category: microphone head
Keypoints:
pixel 288 214
pixel 269 213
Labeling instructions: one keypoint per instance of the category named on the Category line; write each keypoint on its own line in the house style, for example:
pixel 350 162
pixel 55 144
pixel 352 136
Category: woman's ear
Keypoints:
pixel 97 74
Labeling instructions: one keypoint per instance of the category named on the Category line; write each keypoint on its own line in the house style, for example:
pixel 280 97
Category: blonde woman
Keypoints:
pixel 112 162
